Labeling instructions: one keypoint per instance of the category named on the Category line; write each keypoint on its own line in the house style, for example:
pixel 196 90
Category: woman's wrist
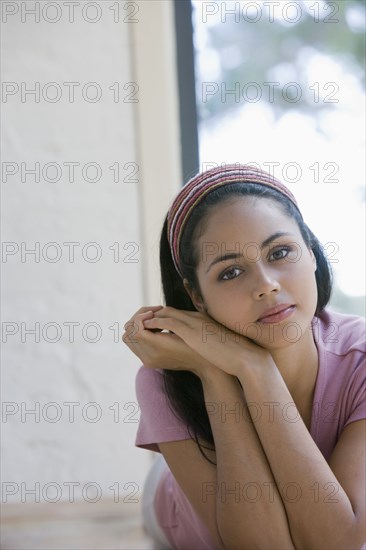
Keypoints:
pixel 210 373
pixel 247 365
pixel 253 361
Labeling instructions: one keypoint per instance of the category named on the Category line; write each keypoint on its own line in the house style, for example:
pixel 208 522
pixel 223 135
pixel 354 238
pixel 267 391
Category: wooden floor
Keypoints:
pixel 73 526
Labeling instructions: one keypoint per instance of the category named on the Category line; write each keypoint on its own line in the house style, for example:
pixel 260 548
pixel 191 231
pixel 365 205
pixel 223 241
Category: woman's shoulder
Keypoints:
pixel 340 333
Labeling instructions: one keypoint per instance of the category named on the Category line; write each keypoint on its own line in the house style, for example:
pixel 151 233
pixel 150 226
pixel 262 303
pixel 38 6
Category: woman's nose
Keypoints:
pixel 265 282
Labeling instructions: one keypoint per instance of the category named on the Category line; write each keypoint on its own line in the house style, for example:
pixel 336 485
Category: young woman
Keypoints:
pixel 252 391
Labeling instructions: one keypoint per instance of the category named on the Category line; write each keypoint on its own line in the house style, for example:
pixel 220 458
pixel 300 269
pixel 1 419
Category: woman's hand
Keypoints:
pixel 214 342
pixel 161 350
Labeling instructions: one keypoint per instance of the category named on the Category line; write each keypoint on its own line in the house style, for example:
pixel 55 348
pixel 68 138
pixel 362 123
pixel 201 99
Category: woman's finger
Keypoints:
pixel 134 327
pixel 187 317
pixel 147 308
pixel 137 316
pixel 174 326
pixel 168 311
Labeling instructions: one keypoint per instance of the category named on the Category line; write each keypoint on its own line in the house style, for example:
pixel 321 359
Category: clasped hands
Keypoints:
pixel 195 341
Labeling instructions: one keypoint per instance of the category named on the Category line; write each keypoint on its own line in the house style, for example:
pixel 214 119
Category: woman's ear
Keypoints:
pixel 196 298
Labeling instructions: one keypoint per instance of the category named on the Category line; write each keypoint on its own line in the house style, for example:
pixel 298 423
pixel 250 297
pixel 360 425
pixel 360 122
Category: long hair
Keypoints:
pixel 184 389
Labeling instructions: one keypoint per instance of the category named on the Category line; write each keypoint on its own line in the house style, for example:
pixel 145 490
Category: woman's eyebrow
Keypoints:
pixel 234 255
pixel 275 236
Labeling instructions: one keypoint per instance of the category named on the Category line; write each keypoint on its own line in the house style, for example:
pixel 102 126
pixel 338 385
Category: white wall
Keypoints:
pixel 37 290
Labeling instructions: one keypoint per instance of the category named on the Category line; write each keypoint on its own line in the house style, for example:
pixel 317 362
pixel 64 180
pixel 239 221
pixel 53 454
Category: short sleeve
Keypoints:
pixel 357 395
pixel 158 423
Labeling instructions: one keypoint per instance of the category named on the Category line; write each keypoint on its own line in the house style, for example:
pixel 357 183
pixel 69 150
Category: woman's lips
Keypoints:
pixel 279 314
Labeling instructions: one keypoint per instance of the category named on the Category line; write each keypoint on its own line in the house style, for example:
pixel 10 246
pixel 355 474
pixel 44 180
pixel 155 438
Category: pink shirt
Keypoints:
pixel 339 399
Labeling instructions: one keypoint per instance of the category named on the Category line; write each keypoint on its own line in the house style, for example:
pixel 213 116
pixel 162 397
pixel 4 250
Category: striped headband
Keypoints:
pixel 197 188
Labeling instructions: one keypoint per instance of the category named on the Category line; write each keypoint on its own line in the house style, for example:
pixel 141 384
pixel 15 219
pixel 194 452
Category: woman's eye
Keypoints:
pixel 227 276
pixel 280 253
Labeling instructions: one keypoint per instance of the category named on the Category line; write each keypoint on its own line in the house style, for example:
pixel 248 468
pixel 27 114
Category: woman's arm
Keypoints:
pixel 237 499
pixel 325 503
pixel 250 513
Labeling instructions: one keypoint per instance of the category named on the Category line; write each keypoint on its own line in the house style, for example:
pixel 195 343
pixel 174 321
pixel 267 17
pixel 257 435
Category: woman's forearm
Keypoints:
pixel 308 488
pixel 250 512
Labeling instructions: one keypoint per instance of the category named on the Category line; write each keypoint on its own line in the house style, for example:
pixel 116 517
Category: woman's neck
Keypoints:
pixel 298 365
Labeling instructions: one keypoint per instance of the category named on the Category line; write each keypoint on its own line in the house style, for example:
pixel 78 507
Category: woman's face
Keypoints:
pixel 252 258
